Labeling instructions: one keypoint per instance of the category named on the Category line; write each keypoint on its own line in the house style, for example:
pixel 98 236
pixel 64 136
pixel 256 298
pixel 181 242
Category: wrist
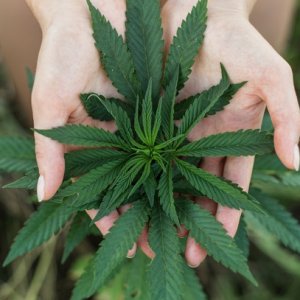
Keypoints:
pixel 49 12
pixel 225 7
pixel 222 7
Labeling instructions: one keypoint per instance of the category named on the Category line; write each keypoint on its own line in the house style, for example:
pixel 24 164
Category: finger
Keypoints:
pixel 194 253
pixel 182 231
pixel 283 106
pixel 131 253
pixel 144 245
pixel 237 170
pixel 106 223
pixel 49 153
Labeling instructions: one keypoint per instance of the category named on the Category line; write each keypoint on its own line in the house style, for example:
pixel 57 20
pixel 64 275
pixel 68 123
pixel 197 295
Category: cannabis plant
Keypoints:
pixel 148 162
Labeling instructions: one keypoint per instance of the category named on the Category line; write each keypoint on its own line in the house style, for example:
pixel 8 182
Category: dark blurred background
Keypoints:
pixel 40 274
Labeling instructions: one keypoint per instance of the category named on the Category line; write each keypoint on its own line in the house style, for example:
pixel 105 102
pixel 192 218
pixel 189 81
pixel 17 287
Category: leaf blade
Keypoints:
pixel 165 272
pixel 212 236
pixel 144 39
pixel 121 238
pixel 115 56
pixel 238 143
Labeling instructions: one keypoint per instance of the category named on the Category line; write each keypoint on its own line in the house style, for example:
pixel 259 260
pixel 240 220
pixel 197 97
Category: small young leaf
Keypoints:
pixel 122 187
pixel 168 104
pixel 157 122
pixel 166 196
pixel 142 179
pixel 115 56
pixel 199 109
pixel 78 231
pixel 147 111
pixel 80 135
pixel 121 118
pixel 165 272
pixel 16 154
pixel 42 225
pixel 137 125
pixel 113 250
pixel 144 39
pixel 220 190
pixel 186 44
pixel 213 238
pixel 82 161
pixel 97 111
pixel 239 143
pixel 91 185
pixel 150 186
pixel 182 106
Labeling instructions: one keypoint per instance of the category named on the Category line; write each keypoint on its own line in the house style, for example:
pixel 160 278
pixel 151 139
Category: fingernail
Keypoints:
pixel 41 189
pixel 193 266
pixel 296 158
pixel 132 252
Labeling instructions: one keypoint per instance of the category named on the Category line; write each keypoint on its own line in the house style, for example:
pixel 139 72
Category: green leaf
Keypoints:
pixel 113 250
pixel 269 163
pixel 166 194
pixel 144 39
pixel 186 44
pixel 241 238
pixel 80 135
pixel 278 221
pixel 165 271
pixel 136 284
pixel 182 106
pixel 137 125
pixel 30 78
pixel 157 122
pixel 150 186
pixel 217 189
pixel 239 143
pixel 168 103
pixel 122 187
pixel 16 154
pixel 89 186
pixel 115 57
pixel 201 108
pixel 145 174
pixel 42 225
pixel 147 111
pixel 78 231
pixel 82 161
pixel 121 118
pixel 28 181
pixel 96 109
pixel 211 235
pixel 192 289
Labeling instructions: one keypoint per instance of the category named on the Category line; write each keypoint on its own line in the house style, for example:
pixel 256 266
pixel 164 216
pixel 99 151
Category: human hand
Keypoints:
pixel 68 65
pixel 233 41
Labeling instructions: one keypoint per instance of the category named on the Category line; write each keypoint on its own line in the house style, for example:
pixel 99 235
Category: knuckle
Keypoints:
pixel 276 71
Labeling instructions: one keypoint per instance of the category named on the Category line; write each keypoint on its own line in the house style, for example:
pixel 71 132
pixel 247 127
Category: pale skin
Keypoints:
pixel 68 65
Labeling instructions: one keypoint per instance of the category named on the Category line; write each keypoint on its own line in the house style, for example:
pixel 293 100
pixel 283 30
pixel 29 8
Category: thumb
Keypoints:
pixel 284 110
pixel 47 113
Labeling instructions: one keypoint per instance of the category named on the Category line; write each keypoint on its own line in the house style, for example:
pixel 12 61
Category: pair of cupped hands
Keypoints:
pixel 68 65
